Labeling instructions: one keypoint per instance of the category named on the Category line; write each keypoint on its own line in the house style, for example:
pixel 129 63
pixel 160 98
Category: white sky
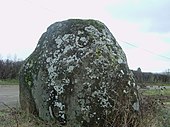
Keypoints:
pixel 142 23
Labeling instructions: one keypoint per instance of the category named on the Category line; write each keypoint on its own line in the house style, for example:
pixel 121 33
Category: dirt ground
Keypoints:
pixel 9 95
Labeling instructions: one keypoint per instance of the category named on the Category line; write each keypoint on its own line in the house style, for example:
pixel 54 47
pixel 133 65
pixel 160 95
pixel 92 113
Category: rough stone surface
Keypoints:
pixel 78 75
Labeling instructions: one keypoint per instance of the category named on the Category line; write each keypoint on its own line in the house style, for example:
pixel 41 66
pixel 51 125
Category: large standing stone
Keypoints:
pixel 78 75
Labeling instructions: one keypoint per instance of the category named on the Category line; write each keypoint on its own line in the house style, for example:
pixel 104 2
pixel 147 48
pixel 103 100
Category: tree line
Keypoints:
pixel 148 77
pixel 9 69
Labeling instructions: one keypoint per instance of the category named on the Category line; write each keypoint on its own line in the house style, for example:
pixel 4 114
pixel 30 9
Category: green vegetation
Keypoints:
pixel 9 82
pixel 157 84
pixel 9 118
pixel 12 117
pixel 155 114
pixel 9 69
pixel 165 84
pixel 164 92
pixel 160 118
pixel 164 117
pixel 156 109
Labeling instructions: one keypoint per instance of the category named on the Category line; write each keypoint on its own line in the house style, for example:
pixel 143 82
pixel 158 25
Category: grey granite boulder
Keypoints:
pixel 78 75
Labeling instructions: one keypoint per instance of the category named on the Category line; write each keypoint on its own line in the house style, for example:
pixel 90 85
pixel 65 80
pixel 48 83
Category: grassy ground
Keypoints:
pixel 163 92
pixel 9 82
pixel 12 117
pixel 162 96
pixel 157 84
pixel 164 117
pixel 17 118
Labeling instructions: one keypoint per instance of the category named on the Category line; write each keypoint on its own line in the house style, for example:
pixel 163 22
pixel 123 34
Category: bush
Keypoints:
pixel 9 69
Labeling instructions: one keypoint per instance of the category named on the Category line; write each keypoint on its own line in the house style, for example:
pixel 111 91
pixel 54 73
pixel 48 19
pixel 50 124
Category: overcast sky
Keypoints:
pixel 141 27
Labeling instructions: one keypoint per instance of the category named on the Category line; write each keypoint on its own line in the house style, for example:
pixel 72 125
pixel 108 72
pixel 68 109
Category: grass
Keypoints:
pixel 164 92
pixel 164 117
pixel 12 117
pixel 18 118
pixel 9 82
pixel 15 117
pixel 157 84
pixel 155 113
pixel 161 116
pixel 165 84
pixel 159 119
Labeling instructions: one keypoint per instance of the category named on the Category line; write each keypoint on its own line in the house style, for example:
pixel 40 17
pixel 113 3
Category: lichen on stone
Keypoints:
pixel 78 75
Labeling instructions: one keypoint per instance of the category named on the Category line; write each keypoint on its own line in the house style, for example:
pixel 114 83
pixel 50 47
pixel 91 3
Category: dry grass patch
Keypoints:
pixel 12 117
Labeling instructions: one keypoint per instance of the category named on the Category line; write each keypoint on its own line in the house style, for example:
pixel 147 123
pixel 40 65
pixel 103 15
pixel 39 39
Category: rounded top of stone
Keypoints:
pixel 85 22
pixel 72 25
